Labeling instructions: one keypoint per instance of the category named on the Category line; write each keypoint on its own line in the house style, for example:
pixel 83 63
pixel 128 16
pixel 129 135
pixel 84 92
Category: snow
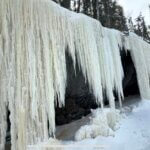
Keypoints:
pixel 102 123
pixel 134 131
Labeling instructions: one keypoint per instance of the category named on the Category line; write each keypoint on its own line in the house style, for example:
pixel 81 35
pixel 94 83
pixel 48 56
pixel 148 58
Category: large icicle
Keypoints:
pixel 140 52
pixel 5 70
pixel 34 37
pixel 87 53
pixel 113 66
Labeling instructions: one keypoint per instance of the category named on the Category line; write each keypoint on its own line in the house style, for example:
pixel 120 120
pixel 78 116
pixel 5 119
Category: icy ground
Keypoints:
pixel 133 134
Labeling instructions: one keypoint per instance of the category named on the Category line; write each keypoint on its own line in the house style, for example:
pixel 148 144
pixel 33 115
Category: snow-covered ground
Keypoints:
pixel 133 134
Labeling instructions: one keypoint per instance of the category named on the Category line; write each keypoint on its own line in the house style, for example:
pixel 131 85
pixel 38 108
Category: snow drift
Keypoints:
pixel 34 36
pixel 102 123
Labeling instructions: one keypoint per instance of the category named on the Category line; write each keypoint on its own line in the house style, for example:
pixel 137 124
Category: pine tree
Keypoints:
pixel 141 29
pixel 108 12
pixel 138 27
pixel 64 3
pixel 144 30
pixel 130 25
pixel 117 18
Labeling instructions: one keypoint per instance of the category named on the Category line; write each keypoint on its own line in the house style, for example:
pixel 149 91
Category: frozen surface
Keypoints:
pixel 101 123
pixel 134 131
pixel 34 38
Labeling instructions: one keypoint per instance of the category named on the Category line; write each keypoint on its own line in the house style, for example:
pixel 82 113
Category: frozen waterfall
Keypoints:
pixel 34 36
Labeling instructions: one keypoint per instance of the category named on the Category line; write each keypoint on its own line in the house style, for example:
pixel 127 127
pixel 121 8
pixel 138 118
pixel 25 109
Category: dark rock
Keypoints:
pixel 130 85
pixel 79 99
pixel 70 112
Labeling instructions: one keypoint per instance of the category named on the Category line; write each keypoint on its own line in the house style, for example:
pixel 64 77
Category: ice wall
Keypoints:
pixel 34 36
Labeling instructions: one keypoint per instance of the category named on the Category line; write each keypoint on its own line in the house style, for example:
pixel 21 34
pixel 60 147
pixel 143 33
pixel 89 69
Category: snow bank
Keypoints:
pixel 102 123
pixel 133 133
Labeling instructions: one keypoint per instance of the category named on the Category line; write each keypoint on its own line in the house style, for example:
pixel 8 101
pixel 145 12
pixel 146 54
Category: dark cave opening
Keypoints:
pixel 79 99
pixel 130 84
pixel 8 135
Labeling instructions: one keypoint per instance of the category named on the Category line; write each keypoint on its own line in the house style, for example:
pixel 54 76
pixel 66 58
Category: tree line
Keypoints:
pixel 110 14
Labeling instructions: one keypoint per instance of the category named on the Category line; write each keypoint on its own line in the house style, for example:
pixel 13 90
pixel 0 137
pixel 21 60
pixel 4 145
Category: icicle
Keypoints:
pixel 22 128
pixel 140 52
pixel 87 54
pixel 34 37
pixel 112 41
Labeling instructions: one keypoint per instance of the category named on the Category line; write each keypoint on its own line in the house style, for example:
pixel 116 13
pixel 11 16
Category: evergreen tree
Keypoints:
pixel 130 25
pixel 64 3
pixel 138 25
pixel 141 29
pixel 145 30
pixel 117 18
pixel 108 12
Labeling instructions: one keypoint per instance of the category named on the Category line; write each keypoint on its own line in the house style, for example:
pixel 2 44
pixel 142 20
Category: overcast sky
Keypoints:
pixel 134 7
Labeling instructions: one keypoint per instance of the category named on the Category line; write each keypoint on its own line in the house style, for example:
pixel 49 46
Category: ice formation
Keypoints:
pixel 50 144
pixel 140 52
pixel 34 36
pixel 102 123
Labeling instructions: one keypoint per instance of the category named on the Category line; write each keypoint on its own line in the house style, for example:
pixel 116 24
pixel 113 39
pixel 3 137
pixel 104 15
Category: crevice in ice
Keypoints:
pixel 130 83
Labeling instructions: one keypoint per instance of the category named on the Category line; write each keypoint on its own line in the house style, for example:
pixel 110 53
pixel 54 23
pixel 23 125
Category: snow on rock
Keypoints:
pixel 102 123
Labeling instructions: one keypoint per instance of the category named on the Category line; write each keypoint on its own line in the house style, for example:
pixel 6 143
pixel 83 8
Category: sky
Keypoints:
pixel 132 8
